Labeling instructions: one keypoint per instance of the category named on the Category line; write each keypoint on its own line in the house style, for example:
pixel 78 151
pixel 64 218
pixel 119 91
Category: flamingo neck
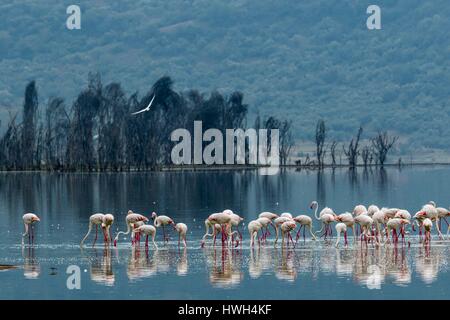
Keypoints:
pixel 26 230
pixel 315 212
pixel 122 232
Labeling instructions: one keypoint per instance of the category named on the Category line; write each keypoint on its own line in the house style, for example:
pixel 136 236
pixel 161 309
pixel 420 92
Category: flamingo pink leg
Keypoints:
pixel 298 233
pixel 164 234
pixel 96 234
pixel 292 241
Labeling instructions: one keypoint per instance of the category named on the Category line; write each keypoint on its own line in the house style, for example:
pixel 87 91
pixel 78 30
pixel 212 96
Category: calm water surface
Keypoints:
pixel 310 271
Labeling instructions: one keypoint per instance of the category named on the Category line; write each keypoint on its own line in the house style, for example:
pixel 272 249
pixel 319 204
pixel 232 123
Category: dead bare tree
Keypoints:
pixel 352 151
pixel 112 115
pixel 57 123
pixel 10 146
pixel 80 152
pixel 382 143
pixel 333 153
pixel 285 136
pixel 29 124
pixel 286 141
pixel 366 155
pixel 320 142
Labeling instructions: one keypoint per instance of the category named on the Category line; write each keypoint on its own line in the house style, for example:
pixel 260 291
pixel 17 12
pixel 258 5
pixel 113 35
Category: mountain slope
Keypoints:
pixel 299 60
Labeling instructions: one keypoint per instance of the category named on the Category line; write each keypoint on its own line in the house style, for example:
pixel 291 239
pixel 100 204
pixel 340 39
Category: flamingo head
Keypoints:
pixel 432 203
pixel 35 219
pixel 291 224
pixel 108 220
pixel 154 215
pixel 405 221
pixel 130 212
pixel 421 214
pixel 313 205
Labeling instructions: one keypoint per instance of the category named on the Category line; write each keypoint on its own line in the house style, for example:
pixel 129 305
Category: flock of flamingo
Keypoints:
pixel 372 225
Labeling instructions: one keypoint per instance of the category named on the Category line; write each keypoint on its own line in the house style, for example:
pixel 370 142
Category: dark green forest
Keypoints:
pixel 298 60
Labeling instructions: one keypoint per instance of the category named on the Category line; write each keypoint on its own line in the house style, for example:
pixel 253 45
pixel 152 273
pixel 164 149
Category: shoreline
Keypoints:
pixel 171 168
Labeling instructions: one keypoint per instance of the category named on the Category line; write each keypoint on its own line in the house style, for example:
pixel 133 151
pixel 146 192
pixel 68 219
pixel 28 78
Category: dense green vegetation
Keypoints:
pixel 302 60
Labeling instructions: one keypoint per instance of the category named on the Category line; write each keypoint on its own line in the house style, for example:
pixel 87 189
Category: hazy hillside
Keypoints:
pixel 299 59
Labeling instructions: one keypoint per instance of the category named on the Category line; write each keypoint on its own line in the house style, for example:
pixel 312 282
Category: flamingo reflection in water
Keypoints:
pixel 285 268
pixel 31 266
pixel 344 262
pixel 141 264
pixel 260 261
pixel 225 267
pixel 429 261
pixel 365 271
pixel 397 265
pixel 182 264
pixel 145 263
pixel 101 270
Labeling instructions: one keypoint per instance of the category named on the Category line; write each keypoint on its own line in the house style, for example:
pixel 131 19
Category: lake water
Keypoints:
pixel 313 270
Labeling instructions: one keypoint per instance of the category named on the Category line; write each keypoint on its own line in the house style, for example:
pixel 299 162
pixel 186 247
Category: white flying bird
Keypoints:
pixel 145 109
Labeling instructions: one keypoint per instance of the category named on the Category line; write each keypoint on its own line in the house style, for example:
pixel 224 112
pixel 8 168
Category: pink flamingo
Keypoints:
pixel 305 222
pixel 28 220
pixel 341 228
pixel 162 221
pixel 224 220
pixel 253 228
pixel 286 229
pixel 147 230
pixel 182 229
pixel 130 220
